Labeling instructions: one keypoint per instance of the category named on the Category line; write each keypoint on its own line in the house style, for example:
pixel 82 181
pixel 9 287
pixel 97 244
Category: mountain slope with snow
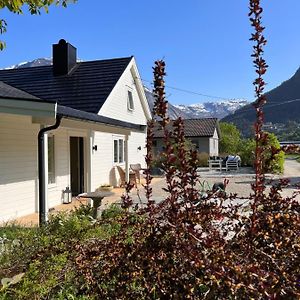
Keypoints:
pixel 34 63
pixel 212 109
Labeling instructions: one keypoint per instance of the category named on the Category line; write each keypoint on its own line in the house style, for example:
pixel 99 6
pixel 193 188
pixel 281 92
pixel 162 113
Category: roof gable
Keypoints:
pixel 116 105
pixel 193 127
pixel 86 88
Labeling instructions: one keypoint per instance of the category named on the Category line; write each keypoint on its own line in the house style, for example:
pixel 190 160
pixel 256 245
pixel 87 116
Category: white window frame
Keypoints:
pixel 119 150
pixel 130 102
pixel 51 173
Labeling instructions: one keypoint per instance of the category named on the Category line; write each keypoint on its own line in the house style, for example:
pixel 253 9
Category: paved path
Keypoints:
pixel 239 183
pixel 292 169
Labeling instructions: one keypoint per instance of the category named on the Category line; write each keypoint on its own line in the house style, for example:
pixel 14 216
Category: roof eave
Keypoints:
pixel 28 107
pixel 72 113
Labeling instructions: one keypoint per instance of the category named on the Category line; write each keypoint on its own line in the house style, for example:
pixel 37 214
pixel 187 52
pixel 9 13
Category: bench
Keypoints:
pixel 232 165
pixel 215 164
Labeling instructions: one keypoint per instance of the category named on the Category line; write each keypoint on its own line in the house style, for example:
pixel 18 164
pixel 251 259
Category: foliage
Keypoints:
pixel 247 152
pixel 291 132
pixel 230 138
pixel 191 245
pixel 202 159
pixel 34 7
pixel 273 156
pixel 160 158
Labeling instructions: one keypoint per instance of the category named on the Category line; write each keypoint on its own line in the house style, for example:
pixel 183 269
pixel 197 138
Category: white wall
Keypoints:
pixel 62 157
pixel 136 140
pixel 103 166
pixel 214 144
pixel 19 169
pixel 62 162
pixel 116 104
pixel 103 171
pixel 18 166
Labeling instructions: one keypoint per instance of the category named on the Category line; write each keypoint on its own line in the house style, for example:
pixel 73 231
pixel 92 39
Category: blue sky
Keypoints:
pixel 205 43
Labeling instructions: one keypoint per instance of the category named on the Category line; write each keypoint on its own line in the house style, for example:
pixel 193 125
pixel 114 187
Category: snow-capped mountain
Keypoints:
pixel 218 109
pixel 212 109
pixel 173 111
pixel 34 63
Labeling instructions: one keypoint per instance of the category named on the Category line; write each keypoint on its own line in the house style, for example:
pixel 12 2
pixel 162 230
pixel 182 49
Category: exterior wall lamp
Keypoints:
pixel 95 148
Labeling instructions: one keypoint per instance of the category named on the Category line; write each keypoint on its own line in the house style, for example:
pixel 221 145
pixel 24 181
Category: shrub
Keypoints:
pixel 230 138
pixel 202 159
pixel 188 246
pixel 247 152
pixel 273 157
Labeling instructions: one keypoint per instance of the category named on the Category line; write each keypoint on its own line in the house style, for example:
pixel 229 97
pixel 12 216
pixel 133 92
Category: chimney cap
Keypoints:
pixel 62 42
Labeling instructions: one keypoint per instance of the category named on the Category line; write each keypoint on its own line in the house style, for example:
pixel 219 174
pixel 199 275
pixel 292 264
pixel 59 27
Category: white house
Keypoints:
pixel 203 133
pixel 100 113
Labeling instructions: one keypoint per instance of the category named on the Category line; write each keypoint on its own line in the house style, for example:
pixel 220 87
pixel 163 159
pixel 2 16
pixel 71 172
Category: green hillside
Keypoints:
pixel 283 105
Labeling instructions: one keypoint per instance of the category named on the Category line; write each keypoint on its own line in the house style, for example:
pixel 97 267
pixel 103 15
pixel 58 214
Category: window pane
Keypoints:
pixel 130 101
pixel 121 151
pixel 115 151
pixel 51 160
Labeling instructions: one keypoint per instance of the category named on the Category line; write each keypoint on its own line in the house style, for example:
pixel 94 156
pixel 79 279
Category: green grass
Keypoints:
pixel 43 258
pixel 293 156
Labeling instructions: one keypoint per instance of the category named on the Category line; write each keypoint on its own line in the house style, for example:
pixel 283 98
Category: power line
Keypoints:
pixel 225 98
pixel 192 92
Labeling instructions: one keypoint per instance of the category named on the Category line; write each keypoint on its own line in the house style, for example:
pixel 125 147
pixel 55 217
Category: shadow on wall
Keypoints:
pixel 113 177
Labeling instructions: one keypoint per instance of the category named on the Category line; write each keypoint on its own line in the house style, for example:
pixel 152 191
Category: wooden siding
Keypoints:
pixel 135 155
pixel 214 144
pixel 103 167
pixel 18 166
pixel 62 157
pixel 116 104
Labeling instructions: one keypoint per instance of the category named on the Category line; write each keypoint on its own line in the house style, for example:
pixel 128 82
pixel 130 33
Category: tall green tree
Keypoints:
pixel 35 7
pixel 230 138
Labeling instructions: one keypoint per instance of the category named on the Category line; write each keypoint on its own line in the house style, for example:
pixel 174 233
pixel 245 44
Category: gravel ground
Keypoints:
pixel 239 182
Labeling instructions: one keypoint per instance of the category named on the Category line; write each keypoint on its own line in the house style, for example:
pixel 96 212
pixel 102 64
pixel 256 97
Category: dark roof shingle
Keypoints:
pixel 192 127
pixel 7 91
pixel 86 88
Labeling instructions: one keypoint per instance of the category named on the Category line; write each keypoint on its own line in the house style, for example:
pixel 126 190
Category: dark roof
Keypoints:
pixel 86 88
pixel 9 92
pixel 193 127
pixel 72 113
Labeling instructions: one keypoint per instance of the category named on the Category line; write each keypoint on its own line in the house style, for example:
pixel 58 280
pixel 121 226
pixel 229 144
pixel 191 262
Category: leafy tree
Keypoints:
pixel 230 138
pixel 33 6
pixel 273 157
pixel 247 152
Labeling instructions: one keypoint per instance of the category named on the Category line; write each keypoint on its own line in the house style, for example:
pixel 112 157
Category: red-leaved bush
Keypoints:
pixel 190 245
pixel 201 246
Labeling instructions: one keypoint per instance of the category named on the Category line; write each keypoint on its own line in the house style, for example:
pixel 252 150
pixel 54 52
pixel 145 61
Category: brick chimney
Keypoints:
pixel 64 58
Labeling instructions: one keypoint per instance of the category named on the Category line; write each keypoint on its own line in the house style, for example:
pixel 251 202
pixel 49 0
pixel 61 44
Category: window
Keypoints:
pixel 51 160
pixel 130 104
pixel 118 151
pixel 195 143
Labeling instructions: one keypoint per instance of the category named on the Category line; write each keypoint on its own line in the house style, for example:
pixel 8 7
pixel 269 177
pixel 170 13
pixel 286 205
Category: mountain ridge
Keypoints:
pixel 209 109
pixel 282 106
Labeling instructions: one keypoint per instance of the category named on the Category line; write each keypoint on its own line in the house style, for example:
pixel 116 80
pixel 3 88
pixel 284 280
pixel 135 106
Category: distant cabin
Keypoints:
pixel 203 133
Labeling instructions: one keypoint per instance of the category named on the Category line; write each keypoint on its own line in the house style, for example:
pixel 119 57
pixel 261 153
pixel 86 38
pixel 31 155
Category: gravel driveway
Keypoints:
pixel 239 182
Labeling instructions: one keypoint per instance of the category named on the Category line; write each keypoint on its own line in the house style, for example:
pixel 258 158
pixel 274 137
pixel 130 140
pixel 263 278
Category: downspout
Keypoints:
pixel 41 169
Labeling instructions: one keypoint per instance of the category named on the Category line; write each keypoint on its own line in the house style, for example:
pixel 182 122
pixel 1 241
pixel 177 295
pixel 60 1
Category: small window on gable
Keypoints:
pixel 130 104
